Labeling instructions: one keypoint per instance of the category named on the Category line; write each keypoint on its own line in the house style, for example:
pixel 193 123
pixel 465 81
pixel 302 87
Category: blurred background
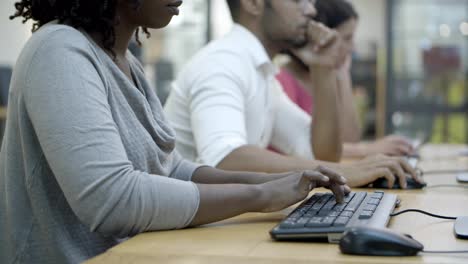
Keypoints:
pixel 410 66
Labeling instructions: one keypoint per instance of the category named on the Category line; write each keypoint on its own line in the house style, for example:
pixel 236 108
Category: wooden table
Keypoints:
pixel 245 239
pixel 3 112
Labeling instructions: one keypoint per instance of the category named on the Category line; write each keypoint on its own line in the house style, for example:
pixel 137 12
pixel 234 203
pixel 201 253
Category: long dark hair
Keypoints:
pixel 333 13
pixel 90 15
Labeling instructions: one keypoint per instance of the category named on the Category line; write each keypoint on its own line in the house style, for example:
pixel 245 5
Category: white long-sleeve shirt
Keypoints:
pixel 87 156
pixel 227 96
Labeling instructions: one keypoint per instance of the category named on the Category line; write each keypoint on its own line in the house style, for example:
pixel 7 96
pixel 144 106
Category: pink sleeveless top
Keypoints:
pixel 295 91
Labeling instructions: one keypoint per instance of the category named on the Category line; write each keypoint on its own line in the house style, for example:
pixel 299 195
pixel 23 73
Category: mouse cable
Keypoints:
pixel 428 172
pixel 422 212
pixel 447 186
pixel 445 252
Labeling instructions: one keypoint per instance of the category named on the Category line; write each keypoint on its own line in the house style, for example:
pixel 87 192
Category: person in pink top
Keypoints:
pixel 294 89
pixel 341 16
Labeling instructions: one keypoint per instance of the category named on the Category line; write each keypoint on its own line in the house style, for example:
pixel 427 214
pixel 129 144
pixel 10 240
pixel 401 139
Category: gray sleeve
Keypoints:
pixel 67 102
pixel 183 169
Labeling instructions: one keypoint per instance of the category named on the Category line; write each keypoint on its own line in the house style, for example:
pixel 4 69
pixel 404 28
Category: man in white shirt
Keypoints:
pixel 227 107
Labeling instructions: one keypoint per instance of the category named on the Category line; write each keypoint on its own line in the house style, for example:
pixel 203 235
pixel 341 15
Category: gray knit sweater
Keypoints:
pixel 87 158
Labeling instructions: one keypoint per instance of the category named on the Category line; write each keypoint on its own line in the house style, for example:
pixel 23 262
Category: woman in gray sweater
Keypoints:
pixel 88 158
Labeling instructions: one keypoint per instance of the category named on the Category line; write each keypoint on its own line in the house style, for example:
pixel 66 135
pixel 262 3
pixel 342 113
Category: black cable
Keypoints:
pixel 447 186
pixel 444 252
pixel 436 216
pixel 428 172
pixel 422 212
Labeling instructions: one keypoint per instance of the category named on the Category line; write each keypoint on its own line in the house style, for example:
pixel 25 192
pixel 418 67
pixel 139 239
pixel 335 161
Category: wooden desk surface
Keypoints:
pixel 3 112
pixel 245 239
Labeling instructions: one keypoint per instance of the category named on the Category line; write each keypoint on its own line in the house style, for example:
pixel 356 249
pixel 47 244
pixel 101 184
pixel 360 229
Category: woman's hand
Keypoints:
pixel 370 169
pixel 390 145
pixel 295 187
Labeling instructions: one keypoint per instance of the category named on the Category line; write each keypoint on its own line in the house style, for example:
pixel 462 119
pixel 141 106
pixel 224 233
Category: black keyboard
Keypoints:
pixel 320 217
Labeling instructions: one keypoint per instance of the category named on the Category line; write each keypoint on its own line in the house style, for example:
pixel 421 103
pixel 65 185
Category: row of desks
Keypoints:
pixel 245 239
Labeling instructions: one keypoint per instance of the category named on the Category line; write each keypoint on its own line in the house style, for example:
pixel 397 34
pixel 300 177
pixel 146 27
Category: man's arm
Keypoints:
pixel 253 158
pixel 321 60
pixel 210 175
pixel 363 172
pixel 326 132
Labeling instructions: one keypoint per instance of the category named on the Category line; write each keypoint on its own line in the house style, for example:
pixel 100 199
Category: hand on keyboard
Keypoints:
pixel 411 183
pixel 391 146
pixel 368 170
pixel 296 186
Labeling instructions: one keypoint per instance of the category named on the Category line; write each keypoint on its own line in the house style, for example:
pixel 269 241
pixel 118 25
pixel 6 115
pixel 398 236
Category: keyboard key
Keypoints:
pixel 301 222
pixel 346 214
pixel 324 199
pixel 296 214
pixel 373 201
pixel 324 212
pixel 334 214
pixel 378 195
pixel 317 222
pixel 341 221
pixel 370 207
pixel 355 202
pixel 349 197
pixel 339 207
pixel 366 214
pixel 313 200
pixel 287 224
pixel 328 220
pixel 329 205
pixel 311 213
pixel 317 206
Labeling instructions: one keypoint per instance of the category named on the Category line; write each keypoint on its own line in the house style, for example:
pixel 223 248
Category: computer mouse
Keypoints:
pixel 411 184
pixel 368 241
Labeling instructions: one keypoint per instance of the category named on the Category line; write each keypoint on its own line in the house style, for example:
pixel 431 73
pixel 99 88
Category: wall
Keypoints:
pixel 371 29
pixel 14 33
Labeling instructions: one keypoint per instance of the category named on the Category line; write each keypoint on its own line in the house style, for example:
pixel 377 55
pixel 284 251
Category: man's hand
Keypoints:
pixel 323 48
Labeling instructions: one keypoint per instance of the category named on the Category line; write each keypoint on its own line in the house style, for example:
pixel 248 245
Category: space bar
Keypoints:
pixel 355 202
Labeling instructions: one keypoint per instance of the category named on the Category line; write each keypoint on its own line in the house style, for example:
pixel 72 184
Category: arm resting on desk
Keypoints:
pixel 210 175
pixel 360 173
pixel 218 202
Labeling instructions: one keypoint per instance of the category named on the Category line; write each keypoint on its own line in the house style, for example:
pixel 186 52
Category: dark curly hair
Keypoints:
pixel 90 15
